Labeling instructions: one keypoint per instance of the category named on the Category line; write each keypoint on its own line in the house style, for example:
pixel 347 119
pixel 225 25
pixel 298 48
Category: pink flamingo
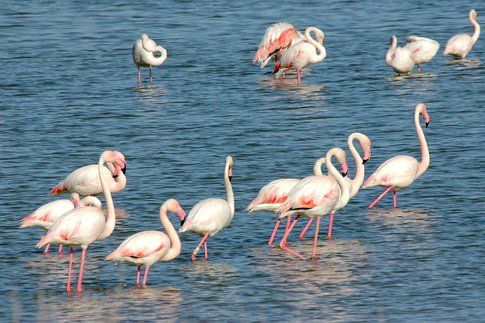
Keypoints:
pixel 85 180
pixel 422 49
pixel 277 38
pixel 354 184
pixel 400 171
pixel 148 247
pixel 211 215
pixel 48 213
pixel 143 53
pixel 460 45
pixel 302 54
pixel 315 196
pixel 84 225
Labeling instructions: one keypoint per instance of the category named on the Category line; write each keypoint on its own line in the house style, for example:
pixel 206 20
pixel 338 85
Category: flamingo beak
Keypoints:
pixel 364 161
pixel 345 170
pixel 181 214
pixel 427 124
pixel 230 175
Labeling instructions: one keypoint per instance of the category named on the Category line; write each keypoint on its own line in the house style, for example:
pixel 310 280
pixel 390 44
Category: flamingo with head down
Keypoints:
pixel 460 45
pixel 401 171
pixel 144 52
pixel 422 49
pixel 399 58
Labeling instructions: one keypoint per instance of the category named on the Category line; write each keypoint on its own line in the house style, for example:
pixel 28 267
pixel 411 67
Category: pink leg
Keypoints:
pixel 276 225
pixel 330 224
pixel 69 275
pixel 288 222
pixel 196 250
pixel 298 77
pixel 138 275
pixel 139 76
pixel 380 197
pixel 419 68
pixel 284 245
pixel 147 270
pixel 395 198
pixel 46 250
pixel 60 250
pixel 81 270
pixel 151 78
pixel 315 240
pixel 305 229
pixel 206 254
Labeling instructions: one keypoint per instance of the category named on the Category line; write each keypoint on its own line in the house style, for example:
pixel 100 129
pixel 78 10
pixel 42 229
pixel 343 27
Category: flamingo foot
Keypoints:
pixel 284 246
pixel 194 254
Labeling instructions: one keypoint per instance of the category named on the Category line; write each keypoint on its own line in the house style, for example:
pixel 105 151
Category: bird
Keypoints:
pixel 422 49
pixel 85 180
pixel 399 58
pixel 401 171
pixel 277 38
pixel 143 53
pixel 354 184
pixel 302 54
pixel 148 247
pixel 461 44
pixel 48 213
pixel 315 196
pixel 84 225
pixel 211 215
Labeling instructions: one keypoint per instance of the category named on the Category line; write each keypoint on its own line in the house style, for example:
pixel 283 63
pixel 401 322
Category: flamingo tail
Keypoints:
pixel 26 222
pixel 43 241
pixel 58 189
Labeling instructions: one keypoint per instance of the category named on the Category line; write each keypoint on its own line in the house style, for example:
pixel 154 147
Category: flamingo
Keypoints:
pixel 85 180
pixel 211 215
pixel 400 171
pixel 277 38
pixel 148 247
pixel 399 58
pixel 422 49
pixel 315 196
pixel 84 225
pixel 304 53
pixel 143 53
pixel 354 184
pixel 48 213
pixel 461 44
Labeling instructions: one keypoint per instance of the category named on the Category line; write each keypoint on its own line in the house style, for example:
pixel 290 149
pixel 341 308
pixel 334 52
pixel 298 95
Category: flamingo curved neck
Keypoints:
pixel 322 53
pixel 230 193
pixel 391 51
pixel 476 33
pixel 317 168
pixel 175 244
pixel 344 188
pixel 119 184
pixel 359 167
pixel 110 222
pixel 423 165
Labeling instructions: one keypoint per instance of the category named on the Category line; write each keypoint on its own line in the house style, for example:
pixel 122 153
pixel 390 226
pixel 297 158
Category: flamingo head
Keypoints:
pixel 229 163
pixel 115 161
pixel 144 37
pixel 341 156
pixel 173 206
pixel 366 144
pixel 320 36
pixel 473 15
pixel 424 113
pixel 76 200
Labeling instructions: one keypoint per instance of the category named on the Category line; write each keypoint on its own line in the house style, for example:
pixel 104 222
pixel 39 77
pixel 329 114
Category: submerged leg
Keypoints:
pixel 81 270
pixel 305 229
pixel 419 68
pixel 283 243
pixel 69 274
pixel 138 274
pixel 273 234
pixel 206 254
pixel 46 250
pixel 315 239
pixel 147 271
pixel 288 222
pixel 330 224
pixel 395 197
pixel 380 197
pixel 151 78
pixel 298 76
pixel 139 76
pixel 196 250
pixel 60 250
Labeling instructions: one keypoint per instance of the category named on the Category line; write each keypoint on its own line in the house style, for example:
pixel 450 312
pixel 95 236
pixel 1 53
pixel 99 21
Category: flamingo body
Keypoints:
pixel 398 172
pixel 210 215
pixel 399 58
pixel 422 49
pixel 272 195
pixel 45 215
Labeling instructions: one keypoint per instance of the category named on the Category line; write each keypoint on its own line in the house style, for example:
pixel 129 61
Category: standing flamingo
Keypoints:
pixel 143 53
pixel 82 226
pixel 315 196
pixel 85 180
pixel 304 53
pixel 354 184
pixel 48 213
pixel 461 44
pixel 399 58
pixel 400 171
pixel 148 247
pixel 422 49
pixel 211 215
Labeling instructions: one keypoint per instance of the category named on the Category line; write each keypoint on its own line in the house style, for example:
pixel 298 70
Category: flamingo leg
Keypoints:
pixel 288 222
pixel 298 76
pixel 138 274
pixel 419 68
pixel 330 224
pixel 395 197
pixel 81 270
pixel 60 250
pixel 315 240
pixel 305 229
pixel 46 250
pixel 196 250
pixel 206 254
pixel 380 197
pixel 283 243
pixel 151 78
pixel 139 76
pixel 271 238
pixel 147 271
pixel 69 274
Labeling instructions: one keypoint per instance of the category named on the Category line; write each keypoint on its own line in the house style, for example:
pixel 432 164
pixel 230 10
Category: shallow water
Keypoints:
pixel 69 91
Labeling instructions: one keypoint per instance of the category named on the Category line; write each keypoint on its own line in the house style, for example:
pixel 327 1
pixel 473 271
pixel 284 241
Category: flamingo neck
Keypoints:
pixel 317 168
pixel 476 33
pixel 359 167
pixel 175 244
pixel 423 165
pixel 391 51
pixel 230 193
pixel 119 183
pixel 110 222
pixel 344 188
pixel 322 52
pixel 91 200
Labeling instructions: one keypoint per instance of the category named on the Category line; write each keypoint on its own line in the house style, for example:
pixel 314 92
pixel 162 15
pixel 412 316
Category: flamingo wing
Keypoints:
pixel 277 36
pixel 313 191
pixel 47 213
pixel 209 215
pixel 142 244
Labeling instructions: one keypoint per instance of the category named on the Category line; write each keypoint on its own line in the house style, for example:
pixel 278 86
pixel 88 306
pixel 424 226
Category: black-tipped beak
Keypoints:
pixel 427 124
pixel 344 174
pixel 230 179
pixel 124 170
pixel 364 161
pixel 182 222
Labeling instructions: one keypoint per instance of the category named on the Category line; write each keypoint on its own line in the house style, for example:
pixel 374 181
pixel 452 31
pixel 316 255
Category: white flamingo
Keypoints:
pixel 399 58
pixel 84 225
pixel 460 45
pixel 148 247
pixel 211 215
pixel 422 49
pixel 143 53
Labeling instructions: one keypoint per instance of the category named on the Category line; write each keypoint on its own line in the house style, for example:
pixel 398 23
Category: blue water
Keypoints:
pixel 68 91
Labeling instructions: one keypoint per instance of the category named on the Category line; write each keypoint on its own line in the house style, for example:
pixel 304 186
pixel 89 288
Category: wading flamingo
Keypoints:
pixel 148 247
pixel 460 45
pixel 48 213
pixel 354 184
pixel 211 215
pixel 399 58
pixel 85 180
pixel 143 53
pixel 84 225
pixel 304 53
pixel 315 196
pixel 400 171
pixel 422 49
